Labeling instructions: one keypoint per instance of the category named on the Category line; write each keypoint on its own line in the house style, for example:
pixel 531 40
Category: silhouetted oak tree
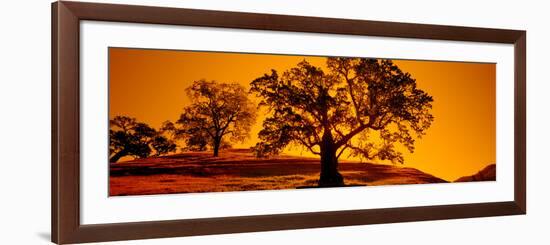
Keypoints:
pixel 217 110
pixel 127 137
pixel 359 106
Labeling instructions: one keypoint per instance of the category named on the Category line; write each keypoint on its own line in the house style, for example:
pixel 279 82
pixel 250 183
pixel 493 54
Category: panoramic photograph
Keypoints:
pixel 195 122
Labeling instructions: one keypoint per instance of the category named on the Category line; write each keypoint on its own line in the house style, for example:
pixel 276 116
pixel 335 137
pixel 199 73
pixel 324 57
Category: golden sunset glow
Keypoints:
pixel 149 85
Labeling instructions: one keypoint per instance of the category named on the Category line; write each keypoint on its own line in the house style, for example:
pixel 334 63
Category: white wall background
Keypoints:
pixel 25 121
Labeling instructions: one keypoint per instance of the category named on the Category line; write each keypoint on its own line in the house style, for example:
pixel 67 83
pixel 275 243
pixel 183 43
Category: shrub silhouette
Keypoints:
pixel 128 137
pixel 360 106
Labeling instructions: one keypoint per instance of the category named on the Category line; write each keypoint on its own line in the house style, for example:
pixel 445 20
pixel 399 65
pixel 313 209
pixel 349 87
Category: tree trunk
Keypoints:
pixel 117 156
pixel 330 177
pixel 217 142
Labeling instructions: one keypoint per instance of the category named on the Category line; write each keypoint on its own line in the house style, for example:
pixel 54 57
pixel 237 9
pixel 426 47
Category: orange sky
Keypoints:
pixel 149 85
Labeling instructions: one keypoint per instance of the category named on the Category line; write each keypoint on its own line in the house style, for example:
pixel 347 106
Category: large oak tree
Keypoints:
pixel 218 112
pixel 360 106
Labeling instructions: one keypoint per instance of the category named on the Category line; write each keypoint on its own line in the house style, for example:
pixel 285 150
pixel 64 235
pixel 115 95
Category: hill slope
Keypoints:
pixel 238 170
pixel 488 173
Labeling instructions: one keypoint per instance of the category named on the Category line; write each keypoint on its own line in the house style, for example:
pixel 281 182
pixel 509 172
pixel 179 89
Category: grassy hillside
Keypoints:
pixel 239 170
pixel 488 173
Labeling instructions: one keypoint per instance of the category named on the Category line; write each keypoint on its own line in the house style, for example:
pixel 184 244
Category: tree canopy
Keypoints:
pixel 217 111
pixel 358 105
pixel 128 137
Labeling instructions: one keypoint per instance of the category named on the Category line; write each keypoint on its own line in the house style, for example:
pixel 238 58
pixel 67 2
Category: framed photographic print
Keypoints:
pixel 176 122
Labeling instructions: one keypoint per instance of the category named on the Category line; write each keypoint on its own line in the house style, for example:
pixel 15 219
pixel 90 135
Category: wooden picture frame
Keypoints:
pixel 66 225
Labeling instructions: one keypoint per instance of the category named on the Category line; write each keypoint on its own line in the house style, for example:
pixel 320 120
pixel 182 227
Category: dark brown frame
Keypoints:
pixel 66 227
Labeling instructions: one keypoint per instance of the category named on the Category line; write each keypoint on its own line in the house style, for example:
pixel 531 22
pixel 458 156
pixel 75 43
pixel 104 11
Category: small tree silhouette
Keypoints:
pixel 356 104
pixel 217 110
pixel 127 137
pixel 197 141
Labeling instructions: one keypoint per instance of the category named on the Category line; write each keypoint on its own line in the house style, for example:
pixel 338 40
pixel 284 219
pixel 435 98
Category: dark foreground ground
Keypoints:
pixel 239 170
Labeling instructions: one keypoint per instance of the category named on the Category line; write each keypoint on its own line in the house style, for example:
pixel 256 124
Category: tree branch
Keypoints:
pixel 353 100
pixel 309 146
pixel 229 121
pixel 341 151
pixel 352 133
pixel 364 153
